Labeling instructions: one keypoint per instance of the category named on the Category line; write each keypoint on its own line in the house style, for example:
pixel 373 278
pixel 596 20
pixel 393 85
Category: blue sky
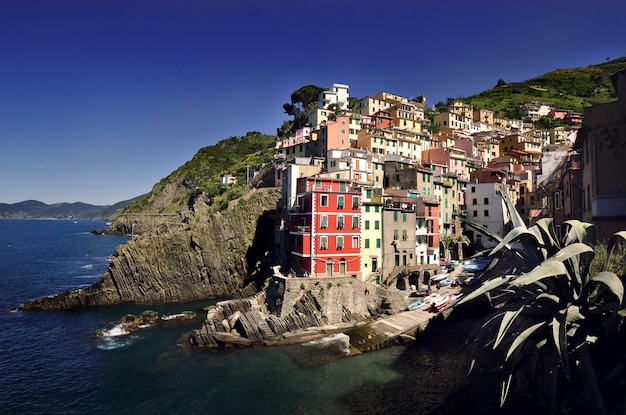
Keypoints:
pixel 99 100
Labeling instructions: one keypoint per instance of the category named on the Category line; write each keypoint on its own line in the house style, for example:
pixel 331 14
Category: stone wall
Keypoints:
pixel 334 295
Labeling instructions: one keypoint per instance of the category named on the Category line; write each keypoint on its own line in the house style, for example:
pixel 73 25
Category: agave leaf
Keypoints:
pixel 471 367
pixel 576 231
pixel 532 249
pixel 555 298
pixel 617 239
pixel 588 378
pixel 559 335
pixel 544 270
pixel 574 314
pixel 513 357
pixel 511 236
pixel 504 390
pixel 516 219
pixel 522 337
pixel 482 229
pixel 485 288
pixel 612 281
pixel 505 324
pixel 544 232
pixel 570 251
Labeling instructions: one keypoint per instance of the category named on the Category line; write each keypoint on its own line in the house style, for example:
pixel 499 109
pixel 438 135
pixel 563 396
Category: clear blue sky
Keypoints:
pixel 99 100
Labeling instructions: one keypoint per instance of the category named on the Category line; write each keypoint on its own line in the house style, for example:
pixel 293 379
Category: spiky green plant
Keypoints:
pixel 555 327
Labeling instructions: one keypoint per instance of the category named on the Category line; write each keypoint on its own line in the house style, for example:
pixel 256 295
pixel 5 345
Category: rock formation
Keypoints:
pixel 293 310
pixel 183 258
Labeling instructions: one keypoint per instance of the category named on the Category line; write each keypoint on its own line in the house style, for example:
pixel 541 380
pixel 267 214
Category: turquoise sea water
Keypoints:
pixel 52 362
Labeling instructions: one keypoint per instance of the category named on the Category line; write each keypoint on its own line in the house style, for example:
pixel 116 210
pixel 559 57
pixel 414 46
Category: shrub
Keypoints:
pixel 557 322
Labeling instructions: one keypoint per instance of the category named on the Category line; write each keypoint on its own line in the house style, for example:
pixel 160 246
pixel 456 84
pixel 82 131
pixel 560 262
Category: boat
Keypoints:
pixel 421 293
pixel 440 303
pixel 416 305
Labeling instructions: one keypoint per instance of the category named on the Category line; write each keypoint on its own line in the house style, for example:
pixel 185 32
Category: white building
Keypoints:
pixel 486 207
pixel 338 95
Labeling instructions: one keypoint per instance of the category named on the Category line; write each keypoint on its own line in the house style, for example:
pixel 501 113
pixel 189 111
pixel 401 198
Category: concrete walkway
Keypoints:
pixel 399 327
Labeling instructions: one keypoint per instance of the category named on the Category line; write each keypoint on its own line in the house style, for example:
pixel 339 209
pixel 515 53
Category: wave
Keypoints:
pixel 335 338
pixel 88 266
pixel 115 331
pixel 112 343
pixel 178 315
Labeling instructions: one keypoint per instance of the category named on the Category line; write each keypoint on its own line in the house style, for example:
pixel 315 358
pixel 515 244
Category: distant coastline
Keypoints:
pixel 33 209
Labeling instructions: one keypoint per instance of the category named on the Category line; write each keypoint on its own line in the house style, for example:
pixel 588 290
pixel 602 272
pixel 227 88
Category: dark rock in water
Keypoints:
pixel 131 322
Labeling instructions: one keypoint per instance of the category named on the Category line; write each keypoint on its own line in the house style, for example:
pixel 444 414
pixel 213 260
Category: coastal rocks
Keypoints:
pixel 249 321
pixel 130 323
pixel 208 257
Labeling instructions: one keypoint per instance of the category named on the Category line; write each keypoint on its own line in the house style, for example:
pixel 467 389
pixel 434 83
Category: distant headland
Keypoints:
pixel 33 209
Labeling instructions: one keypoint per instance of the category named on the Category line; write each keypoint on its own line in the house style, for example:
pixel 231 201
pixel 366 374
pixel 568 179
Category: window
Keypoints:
pixel 355 222
pixel 324 200
pixel 378 243
pixel 340 221
pixel 474 201
pixel 404 235
pixel 404 217
pixel 395 215
pixel 355 241
pixel 395 234
pixel 376 224
pixel 318 183
pixel 475 213
pixel 367 225
pixel 367 244
pixel 486 213
pixel 368 193
pixel 340 242
pixel 324 221
pixel 486 201
pixel 324 242
pixel 340 202
pixel 355 202
pixel 473 189
pixel 367 209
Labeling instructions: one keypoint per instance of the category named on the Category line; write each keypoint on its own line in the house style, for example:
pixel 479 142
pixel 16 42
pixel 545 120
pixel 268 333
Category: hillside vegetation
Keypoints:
pixel 571 89
pixel 200 176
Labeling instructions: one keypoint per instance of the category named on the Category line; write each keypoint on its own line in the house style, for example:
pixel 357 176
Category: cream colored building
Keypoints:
pixel 371 231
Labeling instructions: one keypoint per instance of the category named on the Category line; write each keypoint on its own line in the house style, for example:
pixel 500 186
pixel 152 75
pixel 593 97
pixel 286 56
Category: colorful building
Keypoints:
pixel 325 227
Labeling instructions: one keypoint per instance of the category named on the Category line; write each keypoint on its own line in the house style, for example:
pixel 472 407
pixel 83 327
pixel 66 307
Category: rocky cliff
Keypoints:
pixel 183 257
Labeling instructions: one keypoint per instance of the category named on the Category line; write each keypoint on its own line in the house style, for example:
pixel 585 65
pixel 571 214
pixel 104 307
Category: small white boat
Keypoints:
pixel 440 303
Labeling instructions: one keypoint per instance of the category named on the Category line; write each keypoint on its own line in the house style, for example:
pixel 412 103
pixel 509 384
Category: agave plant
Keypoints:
pixel 555 327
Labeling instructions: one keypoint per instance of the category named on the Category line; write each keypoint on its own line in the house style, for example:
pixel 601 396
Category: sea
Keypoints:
pixel 81 362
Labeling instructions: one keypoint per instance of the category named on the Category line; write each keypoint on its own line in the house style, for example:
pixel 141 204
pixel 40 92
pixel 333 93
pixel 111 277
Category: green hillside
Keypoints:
pixel 200 176
pixel 571 89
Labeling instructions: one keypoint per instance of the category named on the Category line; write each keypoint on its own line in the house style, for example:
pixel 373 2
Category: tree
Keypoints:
pixel 446 241
pixel 302 99
pixel 459 241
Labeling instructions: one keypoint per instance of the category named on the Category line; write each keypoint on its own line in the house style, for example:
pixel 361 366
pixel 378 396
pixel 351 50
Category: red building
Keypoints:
pixel 325 227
